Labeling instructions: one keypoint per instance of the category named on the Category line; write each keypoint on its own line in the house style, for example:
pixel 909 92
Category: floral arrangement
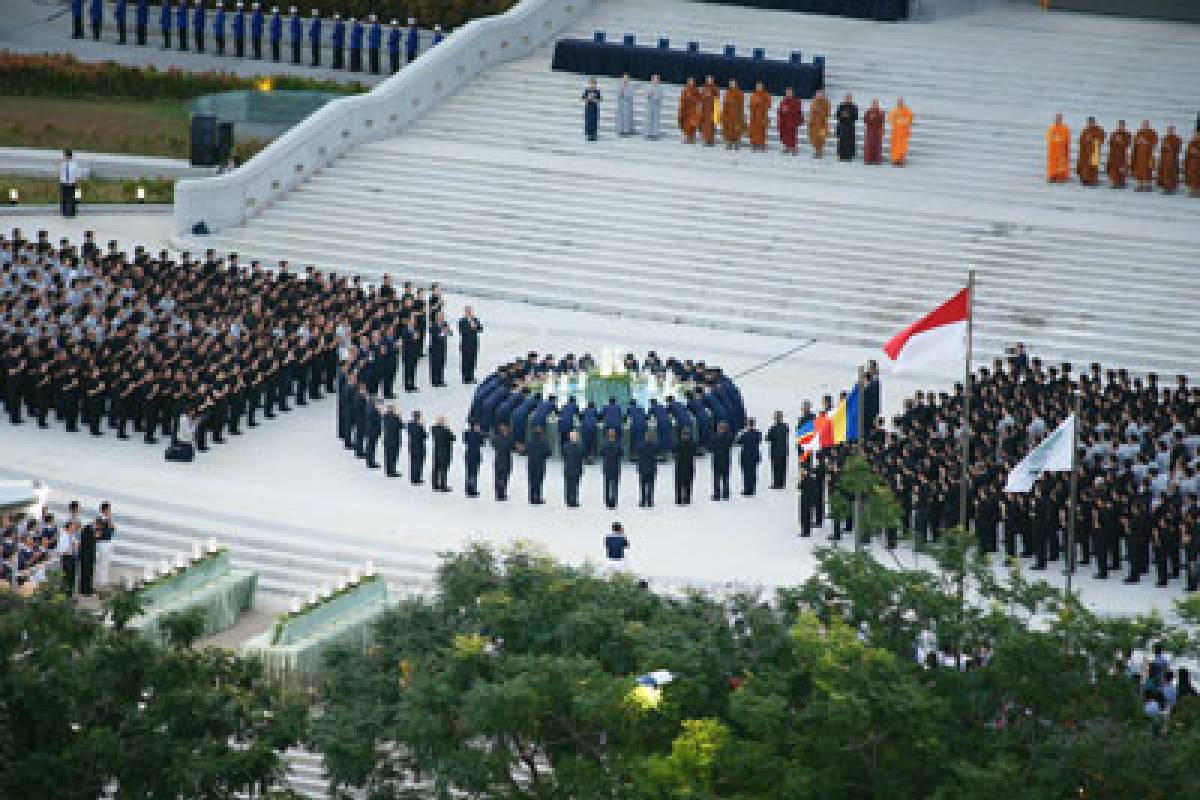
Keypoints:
pixel 316 600
pixel 168 572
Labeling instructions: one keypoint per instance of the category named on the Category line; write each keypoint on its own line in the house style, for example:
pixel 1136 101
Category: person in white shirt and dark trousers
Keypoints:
pixel 68 177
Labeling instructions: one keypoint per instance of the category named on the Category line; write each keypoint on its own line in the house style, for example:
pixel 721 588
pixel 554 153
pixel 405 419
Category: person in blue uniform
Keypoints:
pixel 589 424
pixel 96 14
pixel 141 21
pixel 721 444
pixel 393 45
pixel 76 19
pixel 374 431
pixel 314 37
pixel 438 36
pixel 572 458
pixel 685 467
pixel 165 18
pixel 507 410
pixel 120 9
pixel 256 30
pixel 443 453
pixel 275 33
pixel 502 447
pixel 567 420
pixel 520 415
pixel 591 110
pixel 679 413
pixel 662 419
pixel 703 417
pixel 295 34
pixel 541 413
pixel 392 425
pixel 239 30
pixel 412 41
pixel 647 468
pixel 339 41
pixel 536 454
pixel 637 425
pixel 374 42
pixel 181 24
pixel 611 416
pixel 779 438
pixel 473 445
pixel 439 333
pixel 750 441
pixel 198 24
pixel 356 45
pixel 610 459
pixel 219 28
pixel 416 448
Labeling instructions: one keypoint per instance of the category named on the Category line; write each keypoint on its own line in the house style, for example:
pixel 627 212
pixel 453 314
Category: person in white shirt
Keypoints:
pixel 68 177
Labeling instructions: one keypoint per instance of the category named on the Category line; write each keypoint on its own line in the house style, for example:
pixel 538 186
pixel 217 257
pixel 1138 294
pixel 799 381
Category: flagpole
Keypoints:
pixel 966 421
pixel 862 452
pixel 1074 492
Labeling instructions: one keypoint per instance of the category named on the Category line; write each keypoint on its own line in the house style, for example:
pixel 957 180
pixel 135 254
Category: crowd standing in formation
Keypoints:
pixel 191 350
pixel 36 549
pixel 1138 154
pixel 250 21
pixel 704 111
pixel 1138 482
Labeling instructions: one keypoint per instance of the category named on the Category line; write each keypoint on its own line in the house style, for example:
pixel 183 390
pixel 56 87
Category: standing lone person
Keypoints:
pixel 68 176
pixel 847 118
pixel 591 110
pixel 1058 151
pixel 615 545
pixel 777 439
pixel 469 328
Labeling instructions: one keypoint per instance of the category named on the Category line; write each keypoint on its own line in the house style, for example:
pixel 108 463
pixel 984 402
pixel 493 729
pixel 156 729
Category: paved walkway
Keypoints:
pixel 42 26
pixel 36 161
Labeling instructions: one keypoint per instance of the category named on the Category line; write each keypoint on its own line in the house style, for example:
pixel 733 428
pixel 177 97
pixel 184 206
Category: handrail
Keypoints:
pixel 339 126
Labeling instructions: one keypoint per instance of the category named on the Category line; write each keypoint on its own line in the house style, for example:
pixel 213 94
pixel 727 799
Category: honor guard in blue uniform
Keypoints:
pixel 473 445
pixel 751 453
pixel 339 41
pixel 181 24
pixel 637 425
pixel 141 21
pixel 721 445
pixel 566 420
pixel 314 37
pixel 96 13
pixel 256 30
pixel 393 44
pixel 438 36
pixel 165 18
pixel 198 25
pixel 356 45
pixel 374 42
pixel 120 9
pixel 76 19
pixel 295 34
pixel 416 448
pixel 536 455
pixel 391 441
pixel 219 28
pixel 275 33
pixel 589 424
pixel 239 30
pixel 610 459
pixel 412 41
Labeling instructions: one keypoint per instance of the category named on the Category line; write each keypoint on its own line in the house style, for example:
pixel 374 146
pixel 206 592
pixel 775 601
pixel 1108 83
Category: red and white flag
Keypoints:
pixel 941 335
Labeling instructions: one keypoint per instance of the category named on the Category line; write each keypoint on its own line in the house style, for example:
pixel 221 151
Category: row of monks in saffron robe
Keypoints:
pixel 703 108
pixel 1143 163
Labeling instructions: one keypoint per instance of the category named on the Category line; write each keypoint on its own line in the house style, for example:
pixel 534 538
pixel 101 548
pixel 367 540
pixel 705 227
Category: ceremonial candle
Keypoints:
pixel 164 566
pixel 326 589
pixel 212 544
pixel 370 567
pixel 149 574
pixel 354 576
pixel 313 597
pixel 180 562
pixel 295 605
pixel 195 551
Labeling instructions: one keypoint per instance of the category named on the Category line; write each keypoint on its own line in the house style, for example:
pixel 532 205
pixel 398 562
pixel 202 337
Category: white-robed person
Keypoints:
pixel 625 107
pixel 105 530
pixel 183 449
pixel 654 100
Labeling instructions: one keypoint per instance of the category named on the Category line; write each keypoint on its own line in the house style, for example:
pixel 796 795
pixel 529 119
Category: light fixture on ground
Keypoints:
pixel 14 196
pixel 141 193
pixel 78 194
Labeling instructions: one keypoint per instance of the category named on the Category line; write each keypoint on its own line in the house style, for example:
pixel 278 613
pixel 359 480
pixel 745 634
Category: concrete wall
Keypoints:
pixel 1188 10
pixel 340 126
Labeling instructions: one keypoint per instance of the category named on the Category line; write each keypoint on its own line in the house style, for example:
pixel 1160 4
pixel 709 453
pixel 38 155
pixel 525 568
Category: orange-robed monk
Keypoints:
pixel 733 115
pixel 1168 161
pixel 1144 143
pixel 760 114
pixel 689 111
pixel 900 119
pixel 1058 151
pixel 1118 156
pixel 710 96
pixel 818 123
pixel 1191 166
pixel 1087 165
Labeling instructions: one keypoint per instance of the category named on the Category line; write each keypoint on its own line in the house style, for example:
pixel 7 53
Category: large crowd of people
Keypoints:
pixel 249 22
pixel 1138 484
pixel 193 349
pixel 705 111
pixel 1140 155
pixel 37 549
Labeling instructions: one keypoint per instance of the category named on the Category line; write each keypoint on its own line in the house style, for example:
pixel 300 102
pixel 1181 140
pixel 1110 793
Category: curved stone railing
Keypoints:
pixel 339 126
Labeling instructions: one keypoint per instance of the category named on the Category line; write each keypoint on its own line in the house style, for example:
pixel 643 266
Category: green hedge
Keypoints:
pixel 64 76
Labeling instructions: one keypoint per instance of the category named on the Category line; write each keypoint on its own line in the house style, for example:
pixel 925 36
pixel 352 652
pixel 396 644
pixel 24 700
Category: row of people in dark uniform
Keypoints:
pixel 1139 468
pixel 191 350
pixel 250 24
pixel 36 549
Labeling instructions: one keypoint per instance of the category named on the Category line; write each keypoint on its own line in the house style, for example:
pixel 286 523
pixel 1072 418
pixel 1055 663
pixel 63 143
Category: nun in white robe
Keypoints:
pixel 625 107
pixel 654 100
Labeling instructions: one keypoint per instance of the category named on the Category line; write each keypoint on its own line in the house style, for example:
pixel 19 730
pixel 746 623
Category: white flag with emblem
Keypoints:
pixel 1052 455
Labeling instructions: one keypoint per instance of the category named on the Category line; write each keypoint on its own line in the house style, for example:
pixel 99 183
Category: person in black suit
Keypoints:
pixel 416 448
pixel 374 430
pixel 469 328
pixel 439 332
pixel 502 447
pixel 721 446
pixel 647 468
pixel 411 354
pixel 391 441
pixel 87 559
pixel 777 439
pixel 810 493
pixel 443 450
pixel 572 456
pixel 685 467
pixel 473 444
pixel 610 457
pixel 537 451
